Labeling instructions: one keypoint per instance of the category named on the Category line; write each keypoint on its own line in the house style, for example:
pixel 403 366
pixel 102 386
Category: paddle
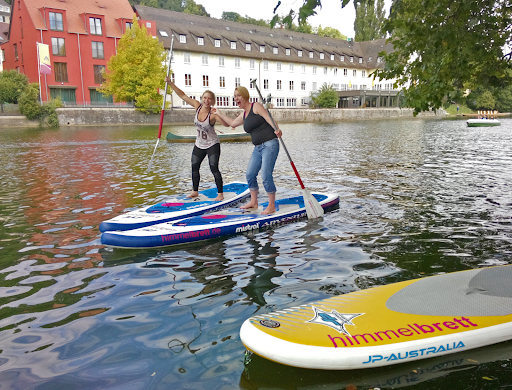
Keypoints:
pixel 163 104
pixel 313 208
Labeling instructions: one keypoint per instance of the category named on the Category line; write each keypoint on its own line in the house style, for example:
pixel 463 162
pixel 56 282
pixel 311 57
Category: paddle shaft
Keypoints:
pixel 280 138
pixel 163 104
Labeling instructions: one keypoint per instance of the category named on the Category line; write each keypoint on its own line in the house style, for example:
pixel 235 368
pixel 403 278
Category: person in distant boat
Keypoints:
pixel 207 142
pixel 258 124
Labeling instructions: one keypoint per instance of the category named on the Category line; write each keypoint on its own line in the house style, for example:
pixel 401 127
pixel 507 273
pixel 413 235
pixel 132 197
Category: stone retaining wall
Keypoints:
pixel 184 116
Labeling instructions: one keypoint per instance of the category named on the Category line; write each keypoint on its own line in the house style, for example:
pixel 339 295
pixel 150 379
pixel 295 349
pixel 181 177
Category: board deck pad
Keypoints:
pixel 212 225
pixel 390 324
pixel 178 207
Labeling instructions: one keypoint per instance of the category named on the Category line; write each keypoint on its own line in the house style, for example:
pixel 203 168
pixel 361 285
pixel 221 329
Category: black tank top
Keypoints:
pixel 258 128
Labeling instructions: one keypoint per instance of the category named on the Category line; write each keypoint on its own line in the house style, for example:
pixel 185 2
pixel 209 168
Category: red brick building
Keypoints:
pixel 82 35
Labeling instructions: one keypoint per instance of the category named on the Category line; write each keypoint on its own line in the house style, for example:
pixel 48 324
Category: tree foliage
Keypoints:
pixel 326 97
pixel 369 21
pixel 12 84
pixel 486 101
pixel 187 6
pixel 442 47
pixel 330 32
pixel 236 17
pixel 136 72
pixel 32 109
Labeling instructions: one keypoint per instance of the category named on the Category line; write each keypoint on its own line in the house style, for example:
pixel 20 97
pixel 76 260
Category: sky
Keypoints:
pixel 330 15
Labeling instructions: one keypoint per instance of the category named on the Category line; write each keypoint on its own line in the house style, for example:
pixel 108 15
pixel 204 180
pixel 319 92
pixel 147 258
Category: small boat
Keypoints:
pixel 482 122
pixel 213 225
pixel 225 137
pixel 178 207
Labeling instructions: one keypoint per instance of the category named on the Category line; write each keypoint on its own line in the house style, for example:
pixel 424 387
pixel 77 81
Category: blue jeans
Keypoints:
pixel 263 158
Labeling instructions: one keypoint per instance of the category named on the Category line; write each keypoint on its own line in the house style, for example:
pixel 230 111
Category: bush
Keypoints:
pixel 326 97
pixel 12 85
pixel 32 109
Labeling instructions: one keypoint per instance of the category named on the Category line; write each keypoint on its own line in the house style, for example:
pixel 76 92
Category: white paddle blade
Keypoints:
pixel 153 155
pixel 313 208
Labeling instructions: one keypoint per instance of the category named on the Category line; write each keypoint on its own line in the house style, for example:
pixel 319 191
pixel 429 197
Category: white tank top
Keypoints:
pixel 206 135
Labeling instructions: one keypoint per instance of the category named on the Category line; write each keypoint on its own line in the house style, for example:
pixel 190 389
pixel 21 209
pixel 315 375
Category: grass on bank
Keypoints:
pixel 452 110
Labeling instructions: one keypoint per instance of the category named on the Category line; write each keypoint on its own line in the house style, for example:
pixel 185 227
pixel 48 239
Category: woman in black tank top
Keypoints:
pixel 258 124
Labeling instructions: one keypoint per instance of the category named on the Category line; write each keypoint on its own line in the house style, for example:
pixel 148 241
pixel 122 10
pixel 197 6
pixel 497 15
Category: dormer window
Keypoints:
pixel 217 43
pixel 370 59
pixel 310 54
pixel 288 52
pixel 163 33
pixel 262 49
pixel 321 56
pixel 200 41
pixel 248 47
pixel 351 59
pixel 183 38
pixel 95 26
pixel 233 45
pixel 299 53
pixel 379 59
pixel 56 23
pixel 274 50
pixel 332 57
pixel 342 58
pixel 360 60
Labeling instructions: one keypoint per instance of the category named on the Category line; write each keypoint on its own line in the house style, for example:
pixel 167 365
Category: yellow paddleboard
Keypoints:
pixel 391 324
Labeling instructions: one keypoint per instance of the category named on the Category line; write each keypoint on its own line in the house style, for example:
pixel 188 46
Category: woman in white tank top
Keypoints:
pixel 207 141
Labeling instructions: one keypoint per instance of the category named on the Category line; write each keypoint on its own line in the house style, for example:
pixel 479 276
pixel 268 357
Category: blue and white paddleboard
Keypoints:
pixel 391 324
pixel 178 207
pixel 212 225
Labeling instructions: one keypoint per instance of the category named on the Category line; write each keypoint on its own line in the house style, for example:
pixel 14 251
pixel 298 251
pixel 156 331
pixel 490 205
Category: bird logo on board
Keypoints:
pixel 333 319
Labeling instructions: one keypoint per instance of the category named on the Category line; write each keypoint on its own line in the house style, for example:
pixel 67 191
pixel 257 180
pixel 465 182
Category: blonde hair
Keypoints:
pixel 243 92
pixel 211 94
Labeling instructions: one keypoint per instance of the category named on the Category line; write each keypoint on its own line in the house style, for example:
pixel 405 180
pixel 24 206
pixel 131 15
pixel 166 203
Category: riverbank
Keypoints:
pixel 94 116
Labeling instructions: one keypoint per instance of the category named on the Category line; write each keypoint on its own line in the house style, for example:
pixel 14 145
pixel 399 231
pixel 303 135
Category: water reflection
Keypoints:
pixel 417 198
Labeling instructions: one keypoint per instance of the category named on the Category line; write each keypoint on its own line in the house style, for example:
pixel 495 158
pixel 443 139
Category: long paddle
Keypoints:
pixel 163 105
pixel 313 208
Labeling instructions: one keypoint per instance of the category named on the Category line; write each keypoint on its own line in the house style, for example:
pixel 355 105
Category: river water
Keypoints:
pixel 417 198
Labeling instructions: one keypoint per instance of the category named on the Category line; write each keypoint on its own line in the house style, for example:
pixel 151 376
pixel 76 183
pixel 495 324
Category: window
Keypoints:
pixel 342 58
pixel 325 69
pixel 310 54
pixel 217 43
pixel 314 69
pixel 262 49
pixel 204 58
pixel 222 101
pixel 163 33
pixel 191 96
pixel 98 73
pixel 314 86
pixel 321 56
pixel 279 102
pixel 61 72
pixel 251 85
pixel 56 23
pixel 233 45
pixel 335 71
pixel 332 57
pixel 291 85
pixel 183 38
pixel 248 47
pixel 59 47
pixel 129 25
pixel 303 101
pixel 15 46
pixel 206 81
pixel 379 59
pixel 303 86
pixel 21 27
pixel 237 82
pixel 291 102
pixel 237 62
pixel 221 60
pixel 95 26
pixel 299 53
pixel 360 60
pixel 363 73
pixel 275 50
pixel 279 84
pixel 351 59
pixel 148 24
pixel 278 64
pixel 288 51
pixel 222 82
pixel 370 59
pixel 345 72
pixel 292 67
pixel 251 64
pixel 173 78
pixel 303 68
pixel 253 99
pixel 265 84
pixel 188 79
pixel 186 58
pixel 354 73
pixel 265 65
pixel 200 41
pixel 97 50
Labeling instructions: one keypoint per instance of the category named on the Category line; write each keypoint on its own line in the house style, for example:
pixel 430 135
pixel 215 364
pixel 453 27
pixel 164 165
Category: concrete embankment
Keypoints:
pixel 182 116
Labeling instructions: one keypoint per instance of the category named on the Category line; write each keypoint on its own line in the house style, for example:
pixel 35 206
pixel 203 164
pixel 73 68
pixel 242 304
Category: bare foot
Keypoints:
pixel 249 206
pixel 268 210
pixel 193 194
pixel 219 197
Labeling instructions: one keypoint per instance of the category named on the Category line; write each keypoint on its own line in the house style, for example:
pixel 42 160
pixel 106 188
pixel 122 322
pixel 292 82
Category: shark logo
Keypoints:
pixel 333 319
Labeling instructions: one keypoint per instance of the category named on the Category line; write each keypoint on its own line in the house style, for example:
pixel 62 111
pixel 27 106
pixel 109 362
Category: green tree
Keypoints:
pixel 369 21
pixel 504 100
pixel 330 32
pixel 136 72
pixel 150 3
pixel 326 97
pixel 442 47
pixel 486 101
pixel 191 7
pixel 231 16
pixel 12 84
pixel 32 109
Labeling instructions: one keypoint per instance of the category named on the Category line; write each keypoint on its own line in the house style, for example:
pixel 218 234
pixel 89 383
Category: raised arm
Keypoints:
pixel 182 95
pixel 226 120
pixel 260 110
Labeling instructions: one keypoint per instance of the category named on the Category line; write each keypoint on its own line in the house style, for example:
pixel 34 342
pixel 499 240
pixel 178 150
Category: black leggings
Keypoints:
pixel 198 156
